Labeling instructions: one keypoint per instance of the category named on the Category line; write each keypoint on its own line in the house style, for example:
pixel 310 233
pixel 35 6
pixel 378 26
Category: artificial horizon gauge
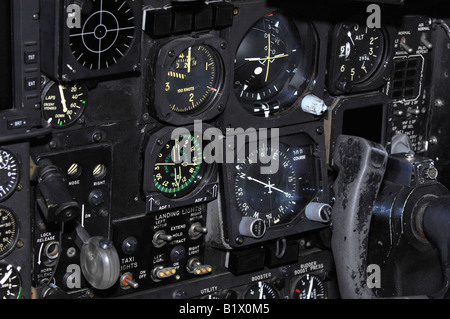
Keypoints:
pixel 106 34
pixel 358 53
pixel 267 61
pixel 9 174
pixel 10 282
pixel 276 197
pixel 63 104
pixel 9 231
pixel 262 290
pixel 177 172
pixel 308 287
pixel 193 79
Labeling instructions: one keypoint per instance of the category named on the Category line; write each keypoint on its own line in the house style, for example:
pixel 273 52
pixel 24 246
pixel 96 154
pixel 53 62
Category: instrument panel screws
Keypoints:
pixel 96 137
pixel 171 53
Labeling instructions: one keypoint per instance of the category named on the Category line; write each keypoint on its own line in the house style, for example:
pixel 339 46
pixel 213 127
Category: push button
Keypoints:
pixel 31 83
pixel 30 57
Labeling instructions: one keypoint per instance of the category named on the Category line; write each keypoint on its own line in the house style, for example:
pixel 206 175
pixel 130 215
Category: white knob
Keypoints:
pixel 313 105
pixel 318 212
pixel 252 227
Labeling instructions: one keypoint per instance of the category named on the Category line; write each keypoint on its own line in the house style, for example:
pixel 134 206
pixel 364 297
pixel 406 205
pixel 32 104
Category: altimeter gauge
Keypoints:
pixel 356 58
pixel 360 53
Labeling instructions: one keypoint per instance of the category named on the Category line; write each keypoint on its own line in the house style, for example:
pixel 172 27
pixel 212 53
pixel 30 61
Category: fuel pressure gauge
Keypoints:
pixel 262 290
pixel 309 287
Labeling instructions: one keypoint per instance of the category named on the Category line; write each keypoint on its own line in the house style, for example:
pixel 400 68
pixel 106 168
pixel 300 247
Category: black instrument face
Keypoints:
pixel 106 34
pixel 278 197
pixel 360 53
pixel 177 173
pixel 10 282
pixel 193 79
pixel 9 174
pixel 262 290
pixel 309 287
pixel 63 103
pixel 9 230
pixel 266 61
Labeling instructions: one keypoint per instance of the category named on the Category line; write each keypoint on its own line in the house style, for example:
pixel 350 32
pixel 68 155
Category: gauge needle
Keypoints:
pixel 281 55
pixel 310 288
pixel 189 60
pixel 176 179
pixel 349 34
pixel 268 57
pixel 6 276
pixel 261 290
pixel 267 185
pixel 63 100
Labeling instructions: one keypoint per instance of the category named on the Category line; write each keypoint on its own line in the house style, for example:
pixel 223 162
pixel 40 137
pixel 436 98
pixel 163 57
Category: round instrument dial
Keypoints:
pixel 266 61
pixel 9 174
pixel 360 52
pixel 10 282
pixel 106 33
pixel 309 287
pixel 8 231
pixel 278 195
pixel 193 79
pixel 271 197
pixel 178 169
pixel 63 103
pixel 262 290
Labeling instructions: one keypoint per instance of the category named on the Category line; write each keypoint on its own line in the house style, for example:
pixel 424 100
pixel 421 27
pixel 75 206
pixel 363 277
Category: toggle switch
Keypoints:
pixel 405 46
pixel 197 230
pixel 127 281
pixel 425 41
pixel 160 238
pixel 194 266
pixel 161 272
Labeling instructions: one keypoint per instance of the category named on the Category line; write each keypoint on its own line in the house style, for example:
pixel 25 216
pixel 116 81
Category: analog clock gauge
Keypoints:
pixel 63 104
pixel 193 79
pixel 279 196
pixel 9 174
pixel 267 60
pixel 178 169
